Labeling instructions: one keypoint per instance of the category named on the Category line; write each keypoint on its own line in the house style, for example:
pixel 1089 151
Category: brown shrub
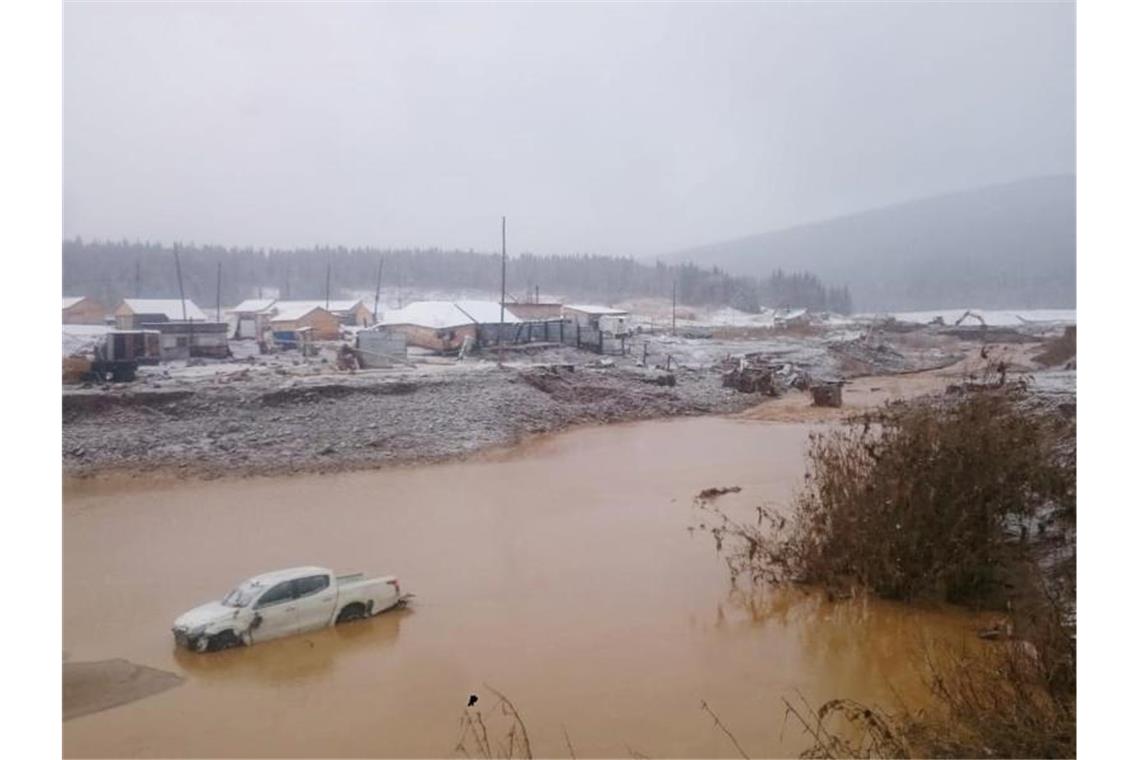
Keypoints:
pixel 929 498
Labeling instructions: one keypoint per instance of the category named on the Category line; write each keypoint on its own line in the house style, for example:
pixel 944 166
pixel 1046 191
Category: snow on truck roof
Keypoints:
pixel 171 308
pixel 440 314
pixel 276 576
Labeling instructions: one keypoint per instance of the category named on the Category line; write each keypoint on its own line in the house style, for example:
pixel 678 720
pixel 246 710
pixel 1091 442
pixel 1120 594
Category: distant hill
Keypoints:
pixel 1009 246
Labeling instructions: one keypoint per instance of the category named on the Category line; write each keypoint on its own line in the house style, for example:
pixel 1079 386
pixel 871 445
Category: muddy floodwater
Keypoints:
pixel 562 573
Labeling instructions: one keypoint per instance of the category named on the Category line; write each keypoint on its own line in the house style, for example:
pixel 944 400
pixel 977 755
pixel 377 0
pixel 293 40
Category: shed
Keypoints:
pixel 180 339
pixel 352 313
pixel 380 347
pixel 608 320
pixel 444 325
pixel 133 313
pixel 292 316
pixel 81 310
pixel 250 318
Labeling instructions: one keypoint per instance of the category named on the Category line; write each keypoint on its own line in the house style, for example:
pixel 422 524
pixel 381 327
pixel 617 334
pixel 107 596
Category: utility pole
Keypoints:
pixel 218 314
pixel 503 292
pixel 137 280
pixel 376 301
pixel 181 292
pixel 536 298
pixel 674 307
pixel 328 282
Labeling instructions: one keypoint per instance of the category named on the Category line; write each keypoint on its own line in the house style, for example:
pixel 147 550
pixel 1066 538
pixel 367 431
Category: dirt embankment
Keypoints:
pixel 350 424
pixel 869 391
pixel 261 421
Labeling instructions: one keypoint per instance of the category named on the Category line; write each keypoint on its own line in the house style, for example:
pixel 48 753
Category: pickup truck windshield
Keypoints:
pixel 241 596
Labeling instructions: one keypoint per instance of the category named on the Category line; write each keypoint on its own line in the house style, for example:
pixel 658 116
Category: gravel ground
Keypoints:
pixel 281 413
pixel 342 424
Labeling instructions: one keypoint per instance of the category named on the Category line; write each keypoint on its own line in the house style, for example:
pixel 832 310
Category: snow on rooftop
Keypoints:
pixel 440 314
pixel 333 306
pixel 487 312
pixel 69 301
pixel 287 311
pixel 254 305
pixel 590 309
pixel 171 308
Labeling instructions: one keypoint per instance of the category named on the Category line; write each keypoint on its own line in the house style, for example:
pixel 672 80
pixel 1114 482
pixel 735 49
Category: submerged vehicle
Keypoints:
pixel 283 603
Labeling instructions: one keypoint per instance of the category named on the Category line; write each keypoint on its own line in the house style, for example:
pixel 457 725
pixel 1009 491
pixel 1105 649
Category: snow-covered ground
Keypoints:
pixel 996 317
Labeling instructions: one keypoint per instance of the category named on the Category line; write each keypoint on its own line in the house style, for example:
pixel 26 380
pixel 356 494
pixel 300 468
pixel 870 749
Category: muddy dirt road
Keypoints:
pixel 561 573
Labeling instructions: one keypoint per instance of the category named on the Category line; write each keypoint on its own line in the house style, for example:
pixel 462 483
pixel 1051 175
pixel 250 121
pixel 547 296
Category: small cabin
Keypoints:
pixel 292 316
pixel 180 339
pixel 249 320
pixel 81 310
pixel 609 321
pixel 352 313
pixel 445 325
pixel 133 313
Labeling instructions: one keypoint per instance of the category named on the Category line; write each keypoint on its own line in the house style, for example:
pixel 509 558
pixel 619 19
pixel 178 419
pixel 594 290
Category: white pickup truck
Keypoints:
pixel 282 603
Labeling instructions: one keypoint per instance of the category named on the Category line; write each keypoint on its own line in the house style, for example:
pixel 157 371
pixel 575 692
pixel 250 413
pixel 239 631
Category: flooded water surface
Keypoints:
pixel 562 574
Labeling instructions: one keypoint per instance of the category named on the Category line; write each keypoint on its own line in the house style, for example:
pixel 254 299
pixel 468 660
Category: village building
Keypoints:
pixel 184 330
pixel 81 310
pixel 249 320
pixel 347 313
pixel 607 320
pixel 536 311
pixel 352 313
pixel 133 313
pixel 183 340
pixel 295 322
pixel 445 325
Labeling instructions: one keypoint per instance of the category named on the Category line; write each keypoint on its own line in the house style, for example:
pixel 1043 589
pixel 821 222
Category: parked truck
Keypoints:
pixel 283 603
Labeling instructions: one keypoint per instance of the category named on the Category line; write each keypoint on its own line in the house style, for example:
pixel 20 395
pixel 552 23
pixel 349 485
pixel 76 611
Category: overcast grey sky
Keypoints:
pixel 625 129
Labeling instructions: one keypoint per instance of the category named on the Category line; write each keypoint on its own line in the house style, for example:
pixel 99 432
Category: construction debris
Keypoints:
pixel 827 393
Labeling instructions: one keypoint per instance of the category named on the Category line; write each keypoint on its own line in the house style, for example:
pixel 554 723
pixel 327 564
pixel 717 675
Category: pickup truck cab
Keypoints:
pixel 283 603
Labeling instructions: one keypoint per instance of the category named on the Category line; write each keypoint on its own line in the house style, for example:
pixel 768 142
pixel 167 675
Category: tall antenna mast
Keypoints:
pixel 181 292
pixel 328 280
pixel 503 292
pixel 376 301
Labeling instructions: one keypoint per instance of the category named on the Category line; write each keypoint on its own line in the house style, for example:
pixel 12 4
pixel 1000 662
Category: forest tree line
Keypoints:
pixel 110 271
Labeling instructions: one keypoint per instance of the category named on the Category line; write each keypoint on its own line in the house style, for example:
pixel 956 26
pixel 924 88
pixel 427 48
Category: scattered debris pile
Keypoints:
pixel 827 393
pixel 1060 351
pixel 752 373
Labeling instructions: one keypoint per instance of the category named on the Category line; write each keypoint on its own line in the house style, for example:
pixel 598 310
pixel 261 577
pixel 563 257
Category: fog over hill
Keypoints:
pixel 1011 245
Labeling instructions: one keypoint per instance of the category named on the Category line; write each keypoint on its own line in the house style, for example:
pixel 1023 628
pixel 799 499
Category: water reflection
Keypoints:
pixel 296 659
pixel 852 640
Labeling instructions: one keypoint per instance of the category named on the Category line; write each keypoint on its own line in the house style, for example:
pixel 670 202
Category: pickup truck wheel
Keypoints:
pixel 354 611
pixel 225 640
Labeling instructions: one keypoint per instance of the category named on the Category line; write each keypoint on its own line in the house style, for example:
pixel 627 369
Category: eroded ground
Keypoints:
pixel 285 414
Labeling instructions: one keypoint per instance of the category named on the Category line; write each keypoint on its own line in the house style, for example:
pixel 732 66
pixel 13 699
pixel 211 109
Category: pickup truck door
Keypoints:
pixel 275 613
pixel 316 602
